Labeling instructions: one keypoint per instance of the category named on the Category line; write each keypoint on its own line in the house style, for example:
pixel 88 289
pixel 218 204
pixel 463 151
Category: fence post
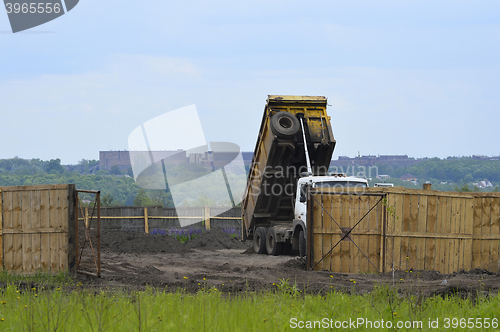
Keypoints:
pixel 86 216
pixel 207 217
pixel 146 221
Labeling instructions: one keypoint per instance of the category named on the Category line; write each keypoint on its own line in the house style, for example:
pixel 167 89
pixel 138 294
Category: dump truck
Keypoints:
pixel 293 150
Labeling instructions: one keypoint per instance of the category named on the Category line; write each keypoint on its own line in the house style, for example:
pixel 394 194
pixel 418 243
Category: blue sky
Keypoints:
pixel 402 77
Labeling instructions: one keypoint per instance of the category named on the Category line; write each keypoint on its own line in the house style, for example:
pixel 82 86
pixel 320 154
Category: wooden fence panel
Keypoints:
pixel 425 230
pixel 34 222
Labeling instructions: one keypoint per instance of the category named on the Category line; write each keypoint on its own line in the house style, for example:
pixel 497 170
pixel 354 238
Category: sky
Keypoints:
pixel 420 78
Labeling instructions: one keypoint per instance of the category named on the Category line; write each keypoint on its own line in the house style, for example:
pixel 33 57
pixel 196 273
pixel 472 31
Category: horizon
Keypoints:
pixel 354 157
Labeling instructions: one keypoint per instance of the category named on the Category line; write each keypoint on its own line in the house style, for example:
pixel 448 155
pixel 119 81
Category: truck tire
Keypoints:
pixel 259 240
pixel 284 124
pixel 273 248
pixel 302 244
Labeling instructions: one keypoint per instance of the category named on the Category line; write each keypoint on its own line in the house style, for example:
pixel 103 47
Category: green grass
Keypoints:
pixel 211 310
pixel 45 279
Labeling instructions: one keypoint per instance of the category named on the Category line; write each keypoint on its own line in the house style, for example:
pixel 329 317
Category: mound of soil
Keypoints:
pixel 140 243
pixel 215 239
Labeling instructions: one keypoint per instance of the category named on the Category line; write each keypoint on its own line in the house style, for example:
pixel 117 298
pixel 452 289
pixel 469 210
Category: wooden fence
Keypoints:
pixel 148 218
pixel 381 229
pixel 37 232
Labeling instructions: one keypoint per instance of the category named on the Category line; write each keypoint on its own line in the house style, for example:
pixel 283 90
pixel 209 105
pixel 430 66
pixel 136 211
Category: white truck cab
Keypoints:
pixel 332 180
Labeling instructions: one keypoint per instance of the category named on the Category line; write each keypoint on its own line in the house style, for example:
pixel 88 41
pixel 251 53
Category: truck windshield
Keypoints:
pixel 339 184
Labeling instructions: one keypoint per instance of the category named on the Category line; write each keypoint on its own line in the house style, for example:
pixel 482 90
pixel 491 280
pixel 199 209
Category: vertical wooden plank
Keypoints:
pixel 375 226
pixel 36 224
pixel 53 221
pixel 422 222
pixel 441 225
pixel 430 243
pixel 468 229
pixel 344 245
pixel 447 230
pixel 72 228
pixel 63 229
pixel 8 251
pixel 390 226
pixel 45 237
pixel 485 230
pixel 327 237
pixel 364 238
pixel 405 242
pixel 476 243
pixel 336 214
pixel 463 215
pixel 439 217
pixel 354 264
pixel 414 229
pixel 379 217
pixel 398 227
pixel 318 237
pixel 372 239
pixel 494 265
pixel 26 224
pixel 451 228
pixel 454 248
pixel 17 226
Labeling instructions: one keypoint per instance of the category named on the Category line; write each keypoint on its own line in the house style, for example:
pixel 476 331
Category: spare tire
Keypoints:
pixel 284 124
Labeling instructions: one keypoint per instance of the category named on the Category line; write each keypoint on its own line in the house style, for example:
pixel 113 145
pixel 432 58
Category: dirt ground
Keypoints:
pixel 134 260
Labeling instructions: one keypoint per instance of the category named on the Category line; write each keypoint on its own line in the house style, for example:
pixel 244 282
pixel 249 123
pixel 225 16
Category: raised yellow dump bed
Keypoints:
pixel 279 158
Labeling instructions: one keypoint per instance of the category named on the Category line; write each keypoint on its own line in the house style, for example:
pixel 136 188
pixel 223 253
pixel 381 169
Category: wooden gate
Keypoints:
pixel 37 228
pixel 346 232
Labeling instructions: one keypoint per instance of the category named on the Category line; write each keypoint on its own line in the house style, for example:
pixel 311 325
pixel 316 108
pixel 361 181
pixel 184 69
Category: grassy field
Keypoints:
pixel 63 305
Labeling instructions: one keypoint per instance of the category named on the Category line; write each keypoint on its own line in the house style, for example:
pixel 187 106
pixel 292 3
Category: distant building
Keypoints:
pixel 371 160
pixel 383 176
pixel 409 177
pixel 108 159
pixel 209 160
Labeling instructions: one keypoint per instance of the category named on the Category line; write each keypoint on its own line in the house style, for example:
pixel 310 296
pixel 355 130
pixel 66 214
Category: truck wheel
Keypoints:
pixel 302 244
pixel 284 124
pixel 259 240
pixel 273 248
